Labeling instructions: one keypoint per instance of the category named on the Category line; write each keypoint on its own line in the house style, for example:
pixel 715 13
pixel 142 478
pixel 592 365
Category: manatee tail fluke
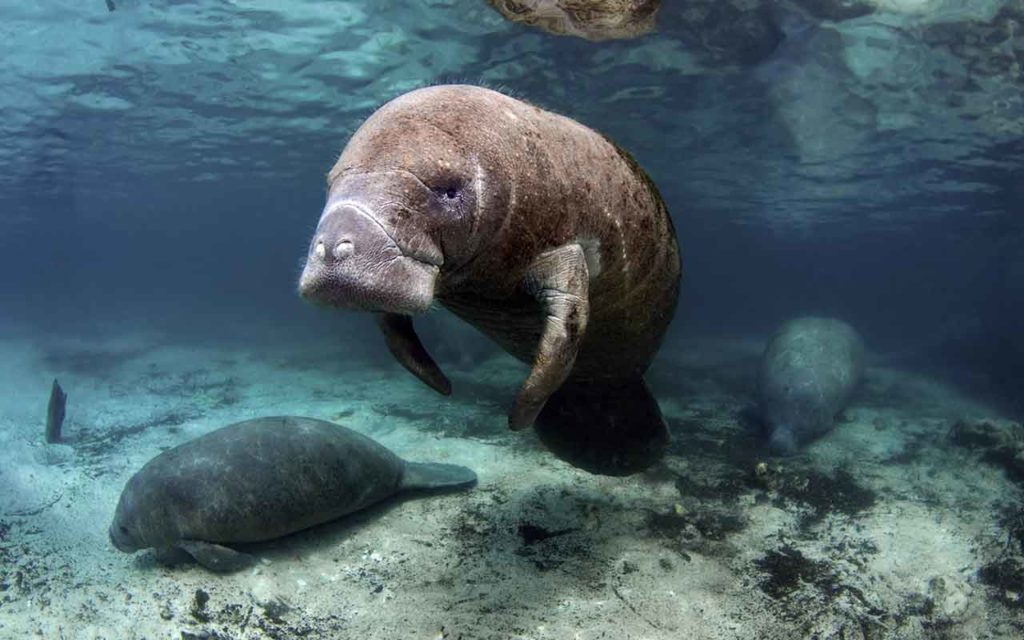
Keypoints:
pixel 607 429
pixel 782 441
pixel 431 475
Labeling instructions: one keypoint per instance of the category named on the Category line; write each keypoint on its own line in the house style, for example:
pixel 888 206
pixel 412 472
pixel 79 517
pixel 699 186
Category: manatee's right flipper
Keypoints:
pixel 405 345
pixel 215 557
pixel 428 475
pixel 612 430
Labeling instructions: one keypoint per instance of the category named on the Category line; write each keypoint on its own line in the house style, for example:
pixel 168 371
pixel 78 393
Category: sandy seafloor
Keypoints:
pixel 884 529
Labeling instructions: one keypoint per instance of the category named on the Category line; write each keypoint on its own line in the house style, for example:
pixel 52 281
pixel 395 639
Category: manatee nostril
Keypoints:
pixel 343 249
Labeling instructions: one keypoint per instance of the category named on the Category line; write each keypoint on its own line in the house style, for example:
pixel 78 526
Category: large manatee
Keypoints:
pixel 537 230
pixel 809 371
pixel 258 480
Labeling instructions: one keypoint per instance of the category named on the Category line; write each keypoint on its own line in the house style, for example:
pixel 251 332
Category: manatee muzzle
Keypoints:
pixel 355 263
pixel 121 539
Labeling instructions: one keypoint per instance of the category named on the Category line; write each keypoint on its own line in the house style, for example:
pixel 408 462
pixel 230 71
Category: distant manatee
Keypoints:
pixel 809 371
pixel 261 479
pixel 589 19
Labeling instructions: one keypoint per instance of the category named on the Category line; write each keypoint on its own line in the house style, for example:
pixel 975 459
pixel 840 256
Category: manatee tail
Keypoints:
pixel 607 429
pixel 430 475
pixel 782 441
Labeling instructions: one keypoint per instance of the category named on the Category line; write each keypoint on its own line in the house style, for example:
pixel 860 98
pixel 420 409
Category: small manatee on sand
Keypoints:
pixel 809 372
pixel 258 480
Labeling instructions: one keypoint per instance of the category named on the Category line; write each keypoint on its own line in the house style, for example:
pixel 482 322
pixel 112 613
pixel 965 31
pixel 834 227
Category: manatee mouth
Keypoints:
pixel 355 263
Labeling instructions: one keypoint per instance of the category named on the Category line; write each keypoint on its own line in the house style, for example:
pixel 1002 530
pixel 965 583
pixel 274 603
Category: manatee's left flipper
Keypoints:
pixel 215 557
pixel 559 280
pixel 405 345
pixel 171 556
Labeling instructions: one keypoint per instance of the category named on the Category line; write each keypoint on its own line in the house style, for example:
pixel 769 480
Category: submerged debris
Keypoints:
pixel 55 412
pixel 198 609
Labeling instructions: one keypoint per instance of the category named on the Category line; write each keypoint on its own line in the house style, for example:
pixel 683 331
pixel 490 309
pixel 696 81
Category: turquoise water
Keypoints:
pixel 164 167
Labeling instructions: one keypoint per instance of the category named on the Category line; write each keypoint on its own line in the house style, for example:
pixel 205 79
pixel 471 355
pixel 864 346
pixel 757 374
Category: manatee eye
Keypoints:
pixel 449 192
pixel 449 189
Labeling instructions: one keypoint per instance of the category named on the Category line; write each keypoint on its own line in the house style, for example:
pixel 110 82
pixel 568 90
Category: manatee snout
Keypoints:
pixel 120 530
pixel 121 539
pixel 354 263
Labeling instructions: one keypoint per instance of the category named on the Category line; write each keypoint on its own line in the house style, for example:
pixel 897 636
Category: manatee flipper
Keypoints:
pixel 559 280
pixel 614 430
pixel 430 475
pixel 215 557
pixel 406 347
pixel 171 556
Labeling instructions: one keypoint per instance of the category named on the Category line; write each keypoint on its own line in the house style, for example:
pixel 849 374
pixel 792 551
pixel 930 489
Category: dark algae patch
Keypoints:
pixel 1005 577
pixel 691 529
pixel 1000 443
pixel 821 493
pixel 724 489
pixel 787 569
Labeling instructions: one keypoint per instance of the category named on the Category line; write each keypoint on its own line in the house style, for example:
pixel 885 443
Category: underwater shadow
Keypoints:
pixel 518 552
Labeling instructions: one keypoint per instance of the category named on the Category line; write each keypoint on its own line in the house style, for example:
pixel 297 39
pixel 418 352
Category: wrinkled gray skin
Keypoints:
pixel 809 372
pixel 258 480
pixel 535 229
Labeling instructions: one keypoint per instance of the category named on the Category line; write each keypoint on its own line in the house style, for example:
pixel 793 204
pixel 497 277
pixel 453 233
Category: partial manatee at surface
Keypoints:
pixel 537 230
pixel 809 372
pixel 589 19
pixel 261 479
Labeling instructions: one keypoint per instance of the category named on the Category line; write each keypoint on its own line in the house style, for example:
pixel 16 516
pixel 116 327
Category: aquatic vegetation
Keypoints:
pixel 1000 443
